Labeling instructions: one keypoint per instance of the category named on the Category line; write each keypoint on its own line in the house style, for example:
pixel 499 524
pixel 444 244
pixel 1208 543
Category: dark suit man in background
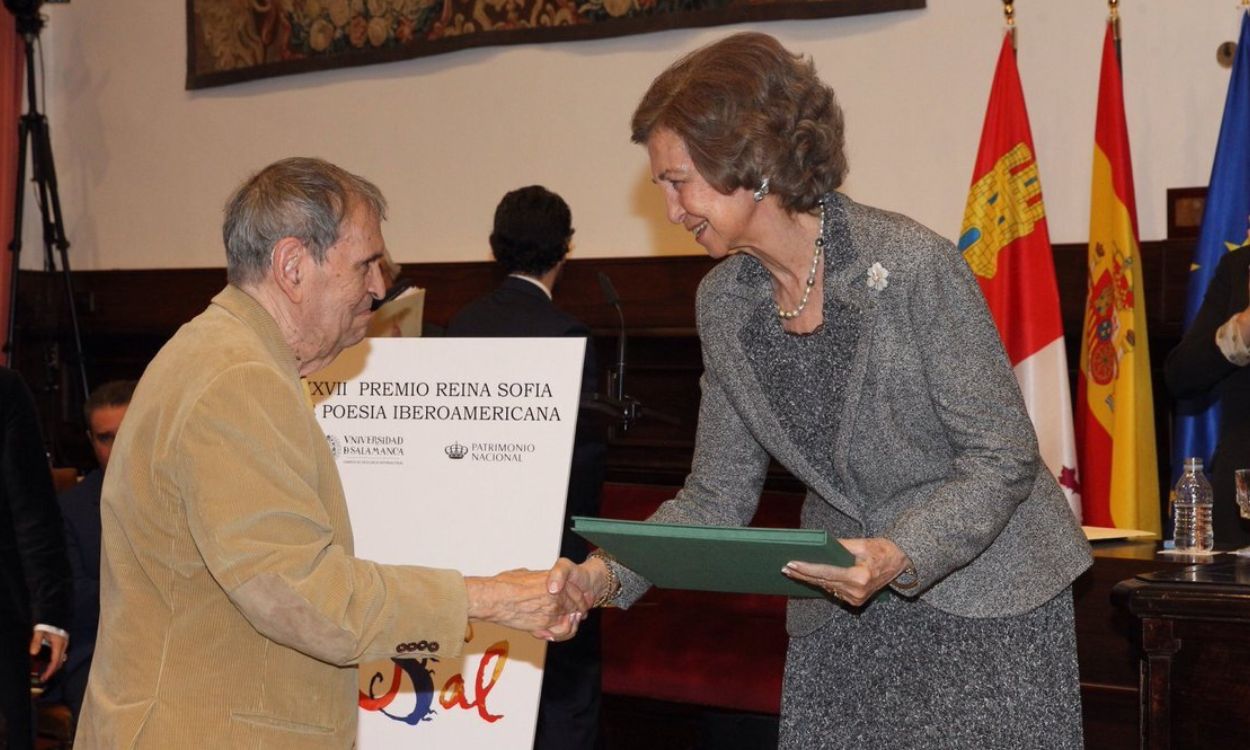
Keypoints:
pixel 80 508
pixel 35 589
pixel 530 239
pixel 1210 363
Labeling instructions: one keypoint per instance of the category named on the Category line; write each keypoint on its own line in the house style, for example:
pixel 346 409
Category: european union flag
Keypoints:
pixel 1224 225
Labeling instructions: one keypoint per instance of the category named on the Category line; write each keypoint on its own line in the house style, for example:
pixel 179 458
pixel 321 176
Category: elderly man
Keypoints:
pixel 232 607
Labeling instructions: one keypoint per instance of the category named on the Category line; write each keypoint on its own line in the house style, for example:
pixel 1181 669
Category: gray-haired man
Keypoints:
pixel 231 604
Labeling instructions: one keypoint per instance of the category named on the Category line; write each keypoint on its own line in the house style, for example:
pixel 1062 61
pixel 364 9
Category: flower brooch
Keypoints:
pixel 878 277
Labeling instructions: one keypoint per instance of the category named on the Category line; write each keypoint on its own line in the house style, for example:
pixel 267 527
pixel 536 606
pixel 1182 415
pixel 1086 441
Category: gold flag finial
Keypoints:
pixel 1009 18
pixel 1113 7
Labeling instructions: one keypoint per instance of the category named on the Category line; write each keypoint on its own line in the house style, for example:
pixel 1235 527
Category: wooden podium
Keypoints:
pixel 1194 624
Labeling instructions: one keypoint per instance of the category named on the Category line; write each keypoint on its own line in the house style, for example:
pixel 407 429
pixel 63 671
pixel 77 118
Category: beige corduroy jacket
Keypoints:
pixel 232 607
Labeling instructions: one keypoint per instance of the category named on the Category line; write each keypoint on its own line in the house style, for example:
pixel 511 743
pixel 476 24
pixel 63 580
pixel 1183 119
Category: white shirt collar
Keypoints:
pixel 533 281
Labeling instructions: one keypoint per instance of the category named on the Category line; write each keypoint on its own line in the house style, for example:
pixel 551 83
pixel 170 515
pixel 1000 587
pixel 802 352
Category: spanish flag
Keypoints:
pixel 1005 241
pixel 1115 409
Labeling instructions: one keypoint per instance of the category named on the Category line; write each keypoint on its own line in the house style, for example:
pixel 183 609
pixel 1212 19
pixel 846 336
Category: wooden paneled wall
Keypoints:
pixel 127 315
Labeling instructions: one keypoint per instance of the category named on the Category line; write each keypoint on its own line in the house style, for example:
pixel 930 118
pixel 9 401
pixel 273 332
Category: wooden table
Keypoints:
pixel 1107 643
pixel 1194 629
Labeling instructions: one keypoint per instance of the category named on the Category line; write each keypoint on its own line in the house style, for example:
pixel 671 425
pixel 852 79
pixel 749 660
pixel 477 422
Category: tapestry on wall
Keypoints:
pixel 238 40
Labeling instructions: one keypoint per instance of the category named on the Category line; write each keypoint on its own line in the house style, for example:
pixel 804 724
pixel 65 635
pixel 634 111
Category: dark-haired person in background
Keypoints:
pixel 533 227
pixel 80 509
pixel 35 595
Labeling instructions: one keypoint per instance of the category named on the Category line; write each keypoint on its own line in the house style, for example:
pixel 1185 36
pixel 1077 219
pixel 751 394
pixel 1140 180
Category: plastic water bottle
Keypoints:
pixel 1192 519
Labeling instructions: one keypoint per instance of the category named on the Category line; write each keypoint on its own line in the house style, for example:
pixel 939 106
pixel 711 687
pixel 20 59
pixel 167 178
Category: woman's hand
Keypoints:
pixel 548 604
pixel 583 583
pixel 877 562
pixel 593 578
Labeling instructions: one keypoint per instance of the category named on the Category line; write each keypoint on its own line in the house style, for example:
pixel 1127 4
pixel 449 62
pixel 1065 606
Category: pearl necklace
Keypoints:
pixel 811 274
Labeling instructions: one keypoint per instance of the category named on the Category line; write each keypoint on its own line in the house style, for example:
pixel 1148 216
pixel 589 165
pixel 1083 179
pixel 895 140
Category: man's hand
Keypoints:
pixel 548 604
pixel 1243 322
pixel 56 643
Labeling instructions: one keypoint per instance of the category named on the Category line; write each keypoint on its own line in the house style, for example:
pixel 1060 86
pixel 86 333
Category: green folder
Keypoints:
pixel 714 558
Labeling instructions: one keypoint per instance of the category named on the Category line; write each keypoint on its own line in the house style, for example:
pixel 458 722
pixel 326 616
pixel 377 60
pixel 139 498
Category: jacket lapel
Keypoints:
pixel 849 262
pixel 844 281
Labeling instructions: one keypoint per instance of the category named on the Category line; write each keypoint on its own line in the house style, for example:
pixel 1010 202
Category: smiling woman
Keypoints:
pixel 761 124
pixel 853 347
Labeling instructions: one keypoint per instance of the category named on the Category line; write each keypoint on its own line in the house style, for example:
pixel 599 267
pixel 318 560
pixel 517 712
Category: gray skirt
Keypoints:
pixel 901 674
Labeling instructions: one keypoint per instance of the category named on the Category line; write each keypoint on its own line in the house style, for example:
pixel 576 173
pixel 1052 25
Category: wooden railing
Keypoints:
pixel 127 315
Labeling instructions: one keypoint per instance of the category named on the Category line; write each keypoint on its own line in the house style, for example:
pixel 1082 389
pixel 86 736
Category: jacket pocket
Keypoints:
pixel 283 725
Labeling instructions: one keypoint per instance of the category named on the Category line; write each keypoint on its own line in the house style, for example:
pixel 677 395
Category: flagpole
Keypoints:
pixel 1114 19
pixel 1009 17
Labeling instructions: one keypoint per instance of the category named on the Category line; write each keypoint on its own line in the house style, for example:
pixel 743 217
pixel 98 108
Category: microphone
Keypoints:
pixel 609 291
pixel 617 386
pixel 616 405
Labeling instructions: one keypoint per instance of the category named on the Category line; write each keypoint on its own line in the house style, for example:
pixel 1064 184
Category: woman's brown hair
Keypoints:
pixel 749 109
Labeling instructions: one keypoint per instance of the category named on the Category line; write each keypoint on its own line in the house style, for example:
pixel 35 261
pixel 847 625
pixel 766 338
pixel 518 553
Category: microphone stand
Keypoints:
pixel 618 405
pixel 616 378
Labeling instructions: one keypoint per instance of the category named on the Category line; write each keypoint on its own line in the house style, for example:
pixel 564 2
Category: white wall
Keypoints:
pixel 145 165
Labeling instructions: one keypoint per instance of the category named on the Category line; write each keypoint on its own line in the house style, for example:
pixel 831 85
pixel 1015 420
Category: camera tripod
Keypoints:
pixel 33 132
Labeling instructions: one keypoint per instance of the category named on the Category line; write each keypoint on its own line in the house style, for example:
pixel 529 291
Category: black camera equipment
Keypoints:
pixel 23 9
pixel 33 133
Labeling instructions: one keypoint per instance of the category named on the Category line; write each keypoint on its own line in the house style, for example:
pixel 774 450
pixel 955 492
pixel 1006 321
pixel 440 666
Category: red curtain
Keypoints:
pixel 11 65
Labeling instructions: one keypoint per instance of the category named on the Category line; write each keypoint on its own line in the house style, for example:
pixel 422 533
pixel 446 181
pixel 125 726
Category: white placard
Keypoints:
pixel 454 453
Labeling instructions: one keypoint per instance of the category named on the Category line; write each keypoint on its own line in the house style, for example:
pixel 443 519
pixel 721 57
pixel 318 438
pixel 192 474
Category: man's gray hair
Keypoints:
pixel 300 197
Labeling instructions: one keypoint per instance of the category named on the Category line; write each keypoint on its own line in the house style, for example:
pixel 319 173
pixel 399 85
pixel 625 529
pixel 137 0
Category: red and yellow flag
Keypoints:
pixel 1115 409
pixel 1006 243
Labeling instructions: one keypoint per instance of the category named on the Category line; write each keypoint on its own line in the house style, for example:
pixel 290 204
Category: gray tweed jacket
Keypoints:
pixel 933 448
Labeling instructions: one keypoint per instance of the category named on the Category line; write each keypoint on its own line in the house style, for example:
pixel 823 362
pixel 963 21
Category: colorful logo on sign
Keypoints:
pixel 454 694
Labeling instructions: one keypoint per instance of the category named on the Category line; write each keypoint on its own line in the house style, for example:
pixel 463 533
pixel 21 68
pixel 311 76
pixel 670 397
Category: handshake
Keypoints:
pixel 547 604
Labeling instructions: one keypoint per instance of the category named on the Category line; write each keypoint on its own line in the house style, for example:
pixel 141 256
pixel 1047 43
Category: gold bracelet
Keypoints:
pixel 614 583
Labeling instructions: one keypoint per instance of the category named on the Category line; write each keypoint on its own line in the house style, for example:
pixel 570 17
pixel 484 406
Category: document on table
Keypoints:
pixel 714 558
pixel 1104 533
